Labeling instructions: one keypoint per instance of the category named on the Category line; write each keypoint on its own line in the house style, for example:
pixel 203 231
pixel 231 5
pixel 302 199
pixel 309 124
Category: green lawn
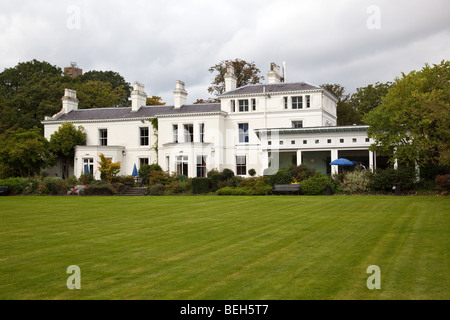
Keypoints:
pixel 209 247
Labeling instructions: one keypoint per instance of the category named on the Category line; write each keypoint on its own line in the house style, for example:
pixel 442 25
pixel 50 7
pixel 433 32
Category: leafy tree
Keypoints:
pixel 98 94
pixel 209 100
pixel 29 92
pixel 347 115
pixel 111 77
pixel 414 117
pixel 246 73
pixel 154 101
pixel 368 98
pixel 108 169
pixel 62 143
pixel 23 153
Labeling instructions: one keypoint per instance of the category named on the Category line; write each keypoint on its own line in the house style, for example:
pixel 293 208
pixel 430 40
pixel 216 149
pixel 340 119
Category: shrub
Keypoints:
pixel 15 185
pixel 227 174
pixel 181 177
pixel 86 178
pixel 317 184
pixel 302 172
pixel 234 181
pixel 160 177
pixel 442 183
pixel 71 182
pixel 52 186
pixel 156 189
pixel 383 180
pixel 126 180
pixel 145 170
pixel 252 172
pixel 249 186
pixel 200 185
pixel 118 187
pixel 29 186
pixel 281 177
pixel 215 177
pixel 355 182
pixel 99 188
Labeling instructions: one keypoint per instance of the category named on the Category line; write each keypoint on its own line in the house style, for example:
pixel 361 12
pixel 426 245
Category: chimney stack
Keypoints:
pixel 230 78
pixel 180 94
pixel 274 74
pixel 138 97
pixel 69 101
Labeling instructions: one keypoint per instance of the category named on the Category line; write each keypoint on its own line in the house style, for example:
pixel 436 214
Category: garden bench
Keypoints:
pixel 3 190
pixel 286 188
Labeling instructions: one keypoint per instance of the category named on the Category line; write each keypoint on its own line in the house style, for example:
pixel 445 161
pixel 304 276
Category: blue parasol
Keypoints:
pixel 135 172
pixel 342 162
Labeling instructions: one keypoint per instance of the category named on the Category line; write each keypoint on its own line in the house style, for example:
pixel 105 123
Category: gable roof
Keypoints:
pixel 127 113
pixel 271 88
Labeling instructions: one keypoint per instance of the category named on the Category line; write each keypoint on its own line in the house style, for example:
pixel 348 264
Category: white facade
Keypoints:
pixel 256 127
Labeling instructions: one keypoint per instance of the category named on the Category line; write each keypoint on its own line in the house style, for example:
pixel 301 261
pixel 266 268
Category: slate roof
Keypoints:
pixel 271 88
pixel 143 112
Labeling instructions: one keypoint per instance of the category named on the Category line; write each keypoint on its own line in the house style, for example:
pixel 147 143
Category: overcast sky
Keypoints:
pixel 353 43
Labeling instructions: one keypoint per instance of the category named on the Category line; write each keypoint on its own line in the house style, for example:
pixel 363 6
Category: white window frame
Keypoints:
pixel 244 134
pixel 241 167
pixel 200 165
pixel 103 141
pixel 175 133
pixel 144 137
pixel 245 105
pixel 188 135
pixel 296 121
pixel 298 103
pixel 182 160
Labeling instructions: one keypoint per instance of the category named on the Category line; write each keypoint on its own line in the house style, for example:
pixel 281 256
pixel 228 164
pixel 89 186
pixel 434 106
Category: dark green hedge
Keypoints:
pixel 200 185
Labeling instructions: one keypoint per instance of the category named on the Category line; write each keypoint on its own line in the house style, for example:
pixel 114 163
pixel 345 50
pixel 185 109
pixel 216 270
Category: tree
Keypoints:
pixel 246 73
pixel 23 153
pixel 154 101
pixel 347 115
pixel 414 117
pixel 209 100
pixel 113 78
pixel 62 144
pixel 98 94
pixel 108 169
pixel 29 92
pixel 368 98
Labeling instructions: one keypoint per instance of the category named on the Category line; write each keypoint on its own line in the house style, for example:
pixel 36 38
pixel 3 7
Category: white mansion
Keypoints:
pixel 262 127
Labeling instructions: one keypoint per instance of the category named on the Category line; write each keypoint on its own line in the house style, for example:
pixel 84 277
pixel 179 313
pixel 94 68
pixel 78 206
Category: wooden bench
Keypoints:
pixel 286 188
pixel 3 190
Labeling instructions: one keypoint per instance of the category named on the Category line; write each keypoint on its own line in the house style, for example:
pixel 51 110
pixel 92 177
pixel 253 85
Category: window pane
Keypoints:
pixel 103 137
pixel 241 167
pixel 188 132
pixel 243 133
pixel 175 133
pixel 144 136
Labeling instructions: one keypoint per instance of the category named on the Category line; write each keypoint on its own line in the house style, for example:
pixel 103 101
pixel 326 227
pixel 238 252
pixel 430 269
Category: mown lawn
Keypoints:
pixel 206 247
